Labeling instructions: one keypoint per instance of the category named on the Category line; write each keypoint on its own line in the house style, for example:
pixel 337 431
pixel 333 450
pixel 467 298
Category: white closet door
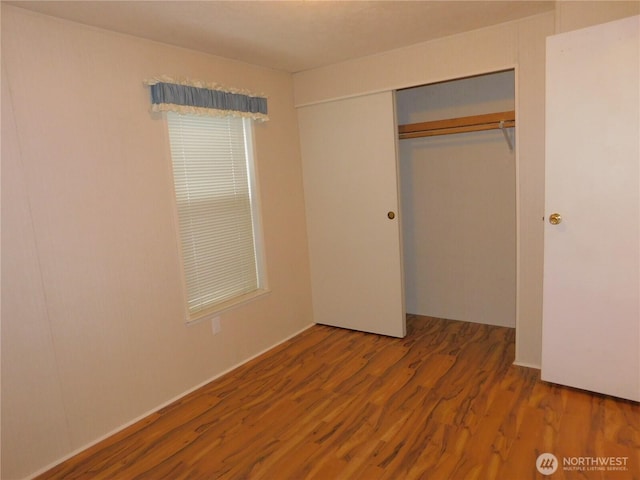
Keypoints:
pixel 591 326
pixel 350 181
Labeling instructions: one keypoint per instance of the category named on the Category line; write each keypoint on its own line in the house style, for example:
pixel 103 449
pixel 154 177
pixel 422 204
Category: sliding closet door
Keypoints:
pixel 351 194
pixel 591 326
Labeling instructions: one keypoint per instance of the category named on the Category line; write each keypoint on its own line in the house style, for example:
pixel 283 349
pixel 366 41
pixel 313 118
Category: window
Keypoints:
pixel 216 208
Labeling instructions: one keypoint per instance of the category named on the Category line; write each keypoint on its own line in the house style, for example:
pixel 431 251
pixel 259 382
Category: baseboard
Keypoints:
pixel 525 364
pixel 162 405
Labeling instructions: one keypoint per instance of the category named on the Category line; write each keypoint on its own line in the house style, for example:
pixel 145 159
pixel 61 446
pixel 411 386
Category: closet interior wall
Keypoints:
pixel 458 204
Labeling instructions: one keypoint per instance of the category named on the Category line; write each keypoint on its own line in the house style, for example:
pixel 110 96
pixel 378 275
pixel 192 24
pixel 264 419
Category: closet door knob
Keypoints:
pixel 555 218
pixel 391 215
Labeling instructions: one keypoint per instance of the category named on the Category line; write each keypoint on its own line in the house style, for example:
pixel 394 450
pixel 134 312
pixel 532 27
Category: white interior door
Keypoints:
pixel 350 181
pixel 591 326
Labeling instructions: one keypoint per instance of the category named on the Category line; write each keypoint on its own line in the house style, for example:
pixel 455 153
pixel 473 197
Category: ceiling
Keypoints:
pixel 290 35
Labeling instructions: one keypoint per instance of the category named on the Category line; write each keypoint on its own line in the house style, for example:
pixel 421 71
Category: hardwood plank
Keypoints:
pixel 445 402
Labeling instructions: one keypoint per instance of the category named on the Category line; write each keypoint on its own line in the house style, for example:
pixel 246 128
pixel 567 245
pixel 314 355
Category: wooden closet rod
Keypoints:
pixel 474 123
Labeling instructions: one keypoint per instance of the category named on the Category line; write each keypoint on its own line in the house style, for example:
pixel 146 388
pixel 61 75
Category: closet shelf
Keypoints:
pixel 474 123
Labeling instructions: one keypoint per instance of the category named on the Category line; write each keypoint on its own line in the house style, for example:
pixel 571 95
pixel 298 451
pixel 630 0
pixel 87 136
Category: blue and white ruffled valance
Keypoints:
pixel 201 98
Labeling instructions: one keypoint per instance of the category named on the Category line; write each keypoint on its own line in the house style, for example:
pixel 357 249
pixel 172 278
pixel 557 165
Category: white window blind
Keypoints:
pixel 212 169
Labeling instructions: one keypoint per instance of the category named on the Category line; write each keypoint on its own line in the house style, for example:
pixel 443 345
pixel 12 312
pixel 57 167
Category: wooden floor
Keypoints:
pixel 444 403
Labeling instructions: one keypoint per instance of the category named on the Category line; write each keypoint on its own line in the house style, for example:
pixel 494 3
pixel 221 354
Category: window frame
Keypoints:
pixel 258 234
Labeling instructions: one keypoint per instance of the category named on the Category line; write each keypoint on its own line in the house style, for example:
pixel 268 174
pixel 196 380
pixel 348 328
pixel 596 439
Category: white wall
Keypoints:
pixel 521 44
pixel 458 204
pixel 93 331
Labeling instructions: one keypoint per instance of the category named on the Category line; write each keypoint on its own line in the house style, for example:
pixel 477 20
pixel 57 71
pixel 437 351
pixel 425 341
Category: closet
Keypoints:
pixel 441 207
pixel 457 183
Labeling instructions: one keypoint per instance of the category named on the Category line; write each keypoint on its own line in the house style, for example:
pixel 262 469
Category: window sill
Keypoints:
pixel 226 306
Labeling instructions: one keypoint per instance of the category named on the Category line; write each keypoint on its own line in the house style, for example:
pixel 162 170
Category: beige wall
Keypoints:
pixel 93 331
pixel 520 44
pixel 458 204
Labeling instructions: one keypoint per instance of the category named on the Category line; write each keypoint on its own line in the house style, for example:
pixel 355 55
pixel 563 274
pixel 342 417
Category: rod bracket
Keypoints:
pixel 506 135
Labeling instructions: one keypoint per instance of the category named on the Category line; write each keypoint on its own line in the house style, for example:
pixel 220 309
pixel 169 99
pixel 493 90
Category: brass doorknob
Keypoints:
pixel 391 215
pixel 555 218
